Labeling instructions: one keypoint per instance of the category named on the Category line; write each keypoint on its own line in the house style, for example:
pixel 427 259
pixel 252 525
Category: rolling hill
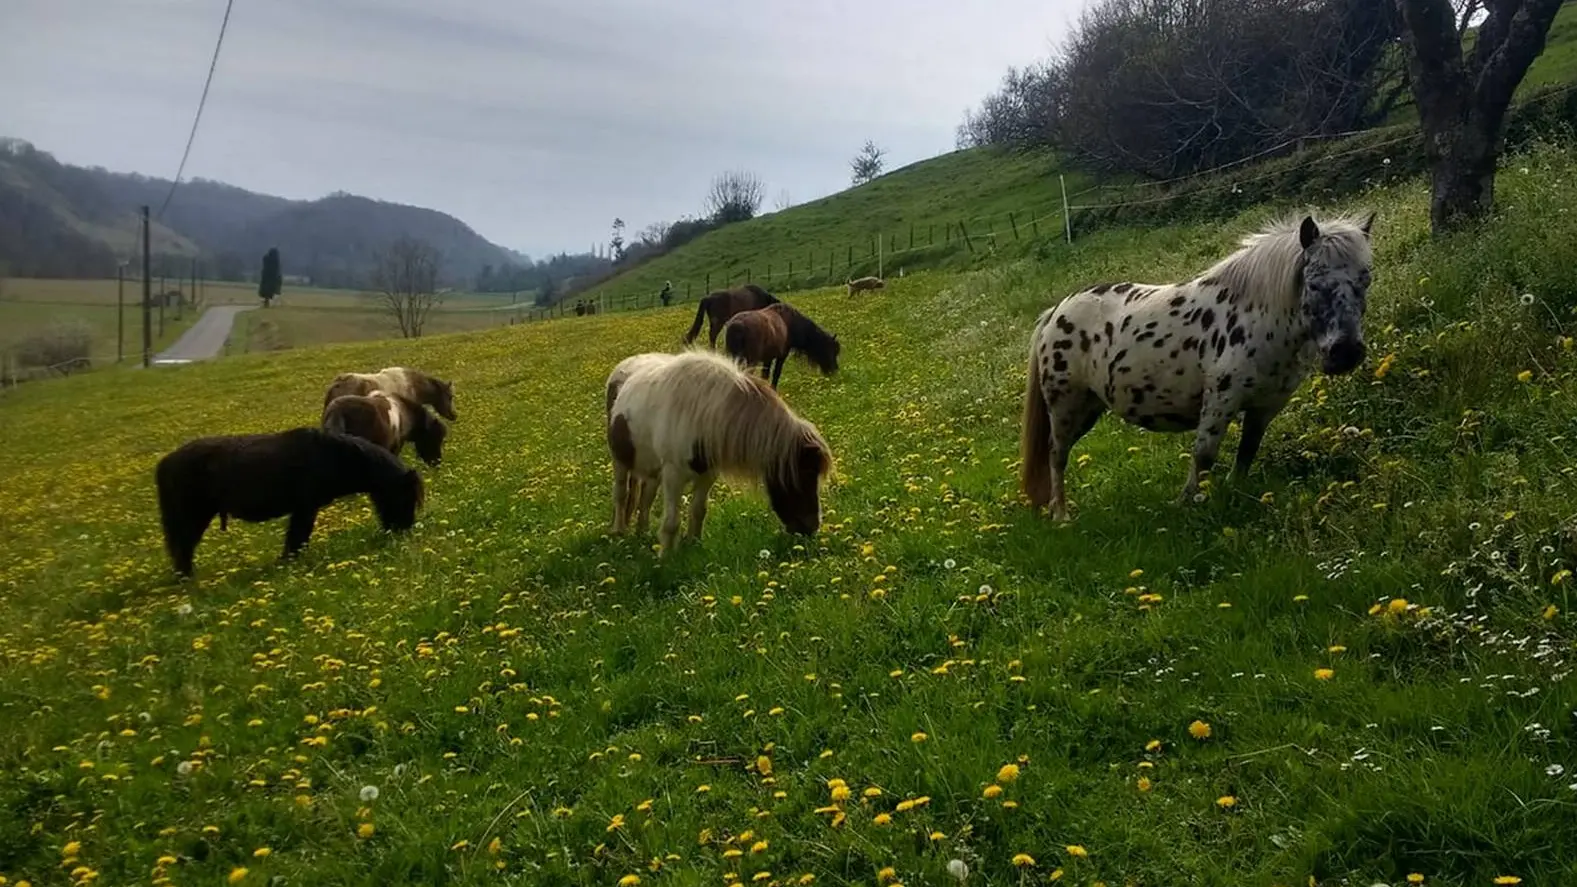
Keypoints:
pixel 59 220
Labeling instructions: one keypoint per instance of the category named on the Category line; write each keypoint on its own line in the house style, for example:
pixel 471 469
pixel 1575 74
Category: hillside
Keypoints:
pixel 70 221
pixel 981 187
pixel 1351 667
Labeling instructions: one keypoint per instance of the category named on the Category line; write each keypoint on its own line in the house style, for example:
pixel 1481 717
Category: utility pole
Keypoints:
pixel 147 295
pixel 120 312
pixel 164 287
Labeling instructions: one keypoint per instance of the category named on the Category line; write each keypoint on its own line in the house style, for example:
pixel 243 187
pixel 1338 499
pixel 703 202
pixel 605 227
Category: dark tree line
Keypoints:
pixel 1161 88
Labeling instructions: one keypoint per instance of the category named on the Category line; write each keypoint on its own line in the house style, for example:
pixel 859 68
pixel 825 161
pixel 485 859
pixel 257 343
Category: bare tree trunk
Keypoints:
pixel 1462 101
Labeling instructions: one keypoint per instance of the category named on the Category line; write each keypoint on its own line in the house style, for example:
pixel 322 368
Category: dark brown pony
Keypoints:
pixel 388 420
pixel 766 336
pixel 414 384
pixel 260 477
pixel 719 306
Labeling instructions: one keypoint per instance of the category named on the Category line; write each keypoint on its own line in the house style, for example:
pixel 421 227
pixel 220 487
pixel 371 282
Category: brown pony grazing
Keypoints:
pixel 866 283
pixel 683 419
pixel 719 306
pixel 766 337
pixel 259 477
pixel 404 381
pixel 388 420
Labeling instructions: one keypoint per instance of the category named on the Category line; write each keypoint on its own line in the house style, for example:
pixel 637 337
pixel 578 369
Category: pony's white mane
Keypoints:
pixel 1265 269
pixel 742 426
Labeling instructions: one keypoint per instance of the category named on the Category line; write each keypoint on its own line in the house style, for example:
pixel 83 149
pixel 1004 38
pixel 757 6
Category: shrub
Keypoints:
pixel 63 346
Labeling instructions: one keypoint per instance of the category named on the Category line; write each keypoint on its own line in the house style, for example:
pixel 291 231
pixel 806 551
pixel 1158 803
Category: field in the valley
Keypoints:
pixel 1349 668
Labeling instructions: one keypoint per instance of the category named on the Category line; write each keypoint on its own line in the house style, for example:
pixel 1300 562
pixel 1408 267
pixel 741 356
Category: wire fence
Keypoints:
pixel 1062 216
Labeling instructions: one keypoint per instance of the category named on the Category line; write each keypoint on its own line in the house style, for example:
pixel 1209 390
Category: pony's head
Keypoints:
pixel 397 501
pixel 795 489
pixel 1337 265
pixel 428 436
pixel 443 399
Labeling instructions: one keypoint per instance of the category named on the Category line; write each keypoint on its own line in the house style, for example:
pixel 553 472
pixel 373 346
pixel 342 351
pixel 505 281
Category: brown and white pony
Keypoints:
pixel 683 419
pixel 388 420
pixel 404 381
pixel 720 305
pixel 866 283
pixel 767 336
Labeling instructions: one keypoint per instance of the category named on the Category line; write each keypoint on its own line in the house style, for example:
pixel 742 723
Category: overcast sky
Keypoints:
pixel 534 121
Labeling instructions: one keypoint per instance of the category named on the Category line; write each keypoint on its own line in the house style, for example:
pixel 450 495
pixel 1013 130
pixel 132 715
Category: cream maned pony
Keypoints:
pixel 682 419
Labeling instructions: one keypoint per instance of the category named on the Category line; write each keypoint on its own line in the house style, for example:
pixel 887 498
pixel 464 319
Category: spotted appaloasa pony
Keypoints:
pixel 404 381
pixel 683 419
pixel 1239 338
pixel 388 420
pixel 720 305
pixel 768 335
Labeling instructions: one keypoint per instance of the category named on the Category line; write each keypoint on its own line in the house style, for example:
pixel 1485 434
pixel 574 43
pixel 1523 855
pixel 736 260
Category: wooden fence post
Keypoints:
pixel 930 234
pixel 965 232
pixel 911 235
pixel 1014 222
pixel 1034 227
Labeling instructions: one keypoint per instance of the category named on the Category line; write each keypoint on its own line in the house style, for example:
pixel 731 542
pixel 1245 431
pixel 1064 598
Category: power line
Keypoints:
pixel 200 103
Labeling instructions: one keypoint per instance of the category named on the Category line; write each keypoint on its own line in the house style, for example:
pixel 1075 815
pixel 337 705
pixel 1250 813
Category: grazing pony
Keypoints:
pixel 404 381
pixel 683 419
pixel 720 305
pixel 259 477
pixel 388 420
pixel 866 283
pixel 767 335
pixel 1239 338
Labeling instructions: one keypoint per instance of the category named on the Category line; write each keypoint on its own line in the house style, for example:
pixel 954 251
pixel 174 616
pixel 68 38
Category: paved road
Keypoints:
pixel 206 338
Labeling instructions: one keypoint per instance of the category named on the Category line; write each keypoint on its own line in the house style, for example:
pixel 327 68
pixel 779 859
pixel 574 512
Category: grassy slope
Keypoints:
pixel 978 186
pixel 509 673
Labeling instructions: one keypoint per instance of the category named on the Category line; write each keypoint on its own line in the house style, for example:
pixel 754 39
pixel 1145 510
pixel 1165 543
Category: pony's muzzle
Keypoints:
pixel 1344 356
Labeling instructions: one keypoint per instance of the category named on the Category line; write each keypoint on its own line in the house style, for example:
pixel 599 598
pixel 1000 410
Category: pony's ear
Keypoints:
pixel 1308 232
pixel 1368 223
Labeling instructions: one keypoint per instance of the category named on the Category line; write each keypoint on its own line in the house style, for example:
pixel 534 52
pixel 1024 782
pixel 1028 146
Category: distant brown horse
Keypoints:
pixel 723 304
pixel 866 283
pixel 406 382
pixel 388 420
pixel 766 336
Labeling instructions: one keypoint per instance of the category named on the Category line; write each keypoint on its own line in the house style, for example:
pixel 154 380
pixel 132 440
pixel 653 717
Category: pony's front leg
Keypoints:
pixel 698 496
pixel 1213 419
pixel 673 489
pixel 643 494
pixel 1255 422
pixel 777 370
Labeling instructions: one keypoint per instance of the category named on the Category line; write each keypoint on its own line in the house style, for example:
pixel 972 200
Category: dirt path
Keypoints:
pixel 206 338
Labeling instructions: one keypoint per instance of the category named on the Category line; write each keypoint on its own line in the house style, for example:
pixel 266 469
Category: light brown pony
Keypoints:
pixel 767 335
pixel 866 283
pixel 404 381
pixel 388 420
pixel 683 419
pixel 720 305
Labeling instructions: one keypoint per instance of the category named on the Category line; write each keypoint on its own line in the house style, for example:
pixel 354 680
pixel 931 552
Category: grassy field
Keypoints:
pixel 1350 668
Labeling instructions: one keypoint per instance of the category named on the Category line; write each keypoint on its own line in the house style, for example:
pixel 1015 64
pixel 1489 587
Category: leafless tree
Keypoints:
pixel 735 196
pixel 783 201
pixel 1463 92
pixel 867 164
pixel 406 277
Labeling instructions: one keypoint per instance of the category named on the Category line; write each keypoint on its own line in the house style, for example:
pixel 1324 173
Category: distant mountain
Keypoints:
pixel 58 220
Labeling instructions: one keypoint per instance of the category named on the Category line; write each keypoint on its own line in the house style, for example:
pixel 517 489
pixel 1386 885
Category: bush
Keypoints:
pixel 62 346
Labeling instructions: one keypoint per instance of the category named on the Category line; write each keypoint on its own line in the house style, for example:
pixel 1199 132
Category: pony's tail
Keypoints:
pixel 1035 444
pixel 736 341
pixel 695 328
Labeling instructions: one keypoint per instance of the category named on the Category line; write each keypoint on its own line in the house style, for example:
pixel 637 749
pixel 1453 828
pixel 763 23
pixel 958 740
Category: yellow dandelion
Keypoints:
pixel 1226 802
pixel 1144 783
pixel 886 874
pixel 366 830
pixel 1397 606
pixel 764 765
pixel 1008 773
pixel 495 846
pixel 1324 674
pixel 262 852
pixel 840 793
pixel 629 881
pixel 1524 376
pixel 237 875
pixel 1077 851
pixel 918 737
pixel 1507 879
pixel 1199 730
pixel 872 792
pixel 1023 860
pixel 938 836
pixel 882 819
pixel 758 847
pixel 1551 611
pixel 71 849
pixel 1415 878
pixel 992 791
pixel 1153 745
pixel 1336 648
pixel 1561 577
